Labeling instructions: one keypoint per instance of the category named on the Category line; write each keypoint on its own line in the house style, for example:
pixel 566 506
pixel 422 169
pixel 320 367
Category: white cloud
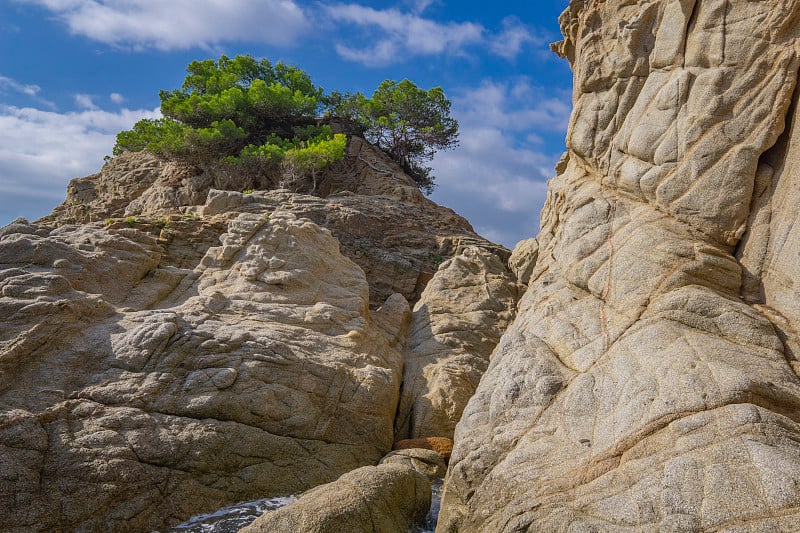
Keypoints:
pixel 31 90
pixel 513 37
pixel 497 177
pixel 392 35
pixel 420 5
pixel 40 151
pixel 515 106
pixel 395 34
pixel 116 98
pixel 84 101
pixel 8 83
pixel 181 24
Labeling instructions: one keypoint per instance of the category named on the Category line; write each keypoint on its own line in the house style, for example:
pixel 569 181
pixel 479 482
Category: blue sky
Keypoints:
pixel 73 73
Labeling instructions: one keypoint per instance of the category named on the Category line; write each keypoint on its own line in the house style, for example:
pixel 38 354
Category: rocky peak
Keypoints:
pixel 170 346
pixel 381 219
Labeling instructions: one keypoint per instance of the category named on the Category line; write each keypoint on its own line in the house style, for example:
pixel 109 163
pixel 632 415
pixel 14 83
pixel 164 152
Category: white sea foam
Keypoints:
pixel 433 514
pixel 232 518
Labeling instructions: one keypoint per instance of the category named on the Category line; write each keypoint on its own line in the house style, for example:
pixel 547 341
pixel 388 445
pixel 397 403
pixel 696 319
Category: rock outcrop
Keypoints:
pixel 168 348
pixel 388 498
pixel 381 219
pixel 649 381
pixel 260 371
pixel 457 323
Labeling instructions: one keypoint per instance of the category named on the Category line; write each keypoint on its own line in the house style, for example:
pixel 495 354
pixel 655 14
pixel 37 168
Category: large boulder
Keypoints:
pixel 647 384
pixel 134 393
pixel 427 462
pixel 457 322
pixel 389 498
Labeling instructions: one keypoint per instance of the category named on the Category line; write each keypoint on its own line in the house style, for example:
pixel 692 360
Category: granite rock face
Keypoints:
pixel 649 381
pixel 457 322
pixel 260 371
pixel 168 348
pixel 388 498
pixel 381 219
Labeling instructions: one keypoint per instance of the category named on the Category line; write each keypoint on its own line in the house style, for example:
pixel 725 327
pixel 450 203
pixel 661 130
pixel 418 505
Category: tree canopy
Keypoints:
pixel 266 119
pixel 408 123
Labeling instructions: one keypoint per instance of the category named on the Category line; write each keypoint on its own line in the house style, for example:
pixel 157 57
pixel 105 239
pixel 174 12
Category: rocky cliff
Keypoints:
pixel 650 379
pixel 168 347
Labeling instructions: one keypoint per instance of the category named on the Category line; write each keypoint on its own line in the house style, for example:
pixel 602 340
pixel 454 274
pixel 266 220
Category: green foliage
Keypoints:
pixel 162 135
pixel 437 260
pixel 349 108
pixel 408 123
pixel 261 119
pixel 309 157
pixel 241 111
pixel 255 95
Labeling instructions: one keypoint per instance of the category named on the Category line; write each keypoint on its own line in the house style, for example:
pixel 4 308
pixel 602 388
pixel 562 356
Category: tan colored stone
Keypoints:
pixel 441 445
pixel 388 498
pixel 523 259
pixel 459 319
pixel 168 347
pixel 381 219
pixel 427 462
pixel 637 390
pixel 258 372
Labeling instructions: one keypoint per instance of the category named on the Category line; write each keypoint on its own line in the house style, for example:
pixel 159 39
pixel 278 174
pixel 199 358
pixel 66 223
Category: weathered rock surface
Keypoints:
pixel 381 219
pixel 427 462
pixel 441 445
pixel 523 259
pixel 168 348
pixel 457 322
pixel 388 498
pixel 649 381
pixel 261 371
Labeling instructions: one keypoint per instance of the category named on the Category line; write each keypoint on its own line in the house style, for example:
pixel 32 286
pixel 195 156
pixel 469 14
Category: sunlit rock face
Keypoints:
pixel 168 348
pixel 456 324
pixel 260 371
pixel 649 381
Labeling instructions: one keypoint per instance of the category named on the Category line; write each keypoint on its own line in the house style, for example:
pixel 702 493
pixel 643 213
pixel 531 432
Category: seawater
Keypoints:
pixel 436 503
pixel 234 517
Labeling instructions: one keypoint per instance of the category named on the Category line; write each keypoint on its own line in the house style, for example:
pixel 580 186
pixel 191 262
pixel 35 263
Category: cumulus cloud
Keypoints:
pixel 497 177
pixel 394 34
pixel 84 101
pixel 181 24
pixel 513 37
pixel 116 98
pixel 40 151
